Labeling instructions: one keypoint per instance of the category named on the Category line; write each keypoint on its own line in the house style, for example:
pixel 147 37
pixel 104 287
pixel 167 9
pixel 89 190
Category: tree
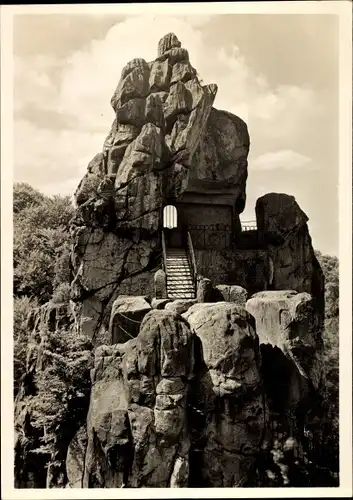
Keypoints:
pixel 41 235
pixel 63 390
pixel 25 196
pixel 22 308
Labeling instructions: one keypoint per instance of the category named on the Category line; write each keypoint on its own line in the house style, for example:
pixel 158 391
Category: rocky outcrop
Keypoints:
pixel 180 306
pixel 50 327
pixel 161 112
pixel 222 155
pixel 126 317
pixel 287 320
pixel 231 293
pixel 180 405
pixel 183 393
pixel 228 412
pixel 289 329
pixel 283 226
pixel 136 426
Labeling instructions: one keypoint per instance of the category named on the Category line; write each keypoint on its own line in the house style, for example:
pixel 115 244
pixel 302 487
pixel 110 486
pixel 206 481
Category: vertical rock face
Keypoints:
pixel 283 226
pixel 228 408
pixel 222 155
pixel 289 329
pixel 136 426
pixel 288 320
pixel 180 405
pixel 161 112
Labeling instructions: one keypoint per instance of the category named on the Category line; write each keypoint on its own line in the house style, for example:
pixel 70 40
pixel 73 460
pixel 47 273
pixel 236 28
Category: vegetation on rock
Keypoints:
pixel 41 235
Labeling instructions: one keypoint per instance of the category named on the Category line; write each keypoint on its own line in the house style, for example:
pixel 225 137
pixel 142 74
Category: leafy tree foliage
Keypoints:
pixel 25 196
pixel 61 402
pixel 22 308
pixel 40 237
pixel 330 267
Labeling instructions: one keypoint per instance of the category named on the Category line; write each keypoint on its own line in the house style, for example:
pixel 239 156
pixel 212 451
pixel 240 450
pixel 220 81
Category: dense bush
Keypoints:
pixel 62 394
pixel 41 236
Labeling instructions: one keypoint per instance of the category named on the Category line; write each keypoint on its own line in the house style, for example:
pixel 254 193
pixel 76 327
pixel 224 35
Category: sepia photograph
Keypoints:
pixel 176 213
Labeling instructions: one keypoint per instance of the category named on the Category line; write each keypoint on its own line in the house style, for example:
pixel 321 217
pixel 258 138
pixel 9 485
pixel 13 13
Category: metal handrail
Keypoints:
pixel 164 250
pixel 192 257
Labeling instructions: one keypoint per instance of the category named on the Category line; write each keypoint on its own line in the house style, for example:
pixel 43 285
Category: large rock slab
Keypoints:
pixel 228 406
pixel 126 318
pixel 282 225
pixel 288 321
pixel 232 293
pixel 137 422
pixel 222 155
pixel 75 460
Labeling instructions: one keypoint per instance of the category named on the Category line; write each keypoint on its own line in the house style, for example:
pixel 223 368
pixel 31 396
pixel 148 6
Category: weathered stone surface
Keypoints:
pixel 159 303
pixel 232 293
pixel 137 421
pixel 134 83
pixel 146 161
pixel 88 186
pixel 180 306
pixel 182 72
pixel 169 41
pixel 75 460
pixel 126 317
pixel 160 284
pixel 282 225
pixel 222 154
pixel 132 112
pixel 102 262
pixel 175 55
pixel 160 75
pixel 278 215
pixel 204 292
pixel 184 402
pixel 154 109
pixel 288 320
pixel 199 101
pixel 141 156
pixel 229 398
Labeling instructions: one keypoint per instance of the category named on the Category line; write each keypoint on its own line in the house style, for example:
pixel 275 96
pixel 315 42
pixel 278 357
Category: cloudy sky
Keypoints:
pixel 277 72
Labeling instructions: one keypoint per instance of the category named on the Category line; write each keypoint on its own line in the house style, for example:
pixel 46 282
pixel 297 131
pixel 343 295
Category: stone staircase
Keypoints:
pixel 180 283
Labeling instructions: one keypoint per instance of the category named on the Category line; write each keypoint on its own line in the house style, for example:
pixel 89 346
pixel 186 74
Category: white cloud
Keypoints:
pixel 285 160
pixel 47 158
pixel 81 88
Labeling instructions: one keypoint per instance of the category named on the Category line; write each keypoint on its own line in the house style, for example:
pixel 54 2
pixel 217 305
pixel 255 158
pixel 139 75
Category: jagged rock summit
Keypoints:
pixel 165 144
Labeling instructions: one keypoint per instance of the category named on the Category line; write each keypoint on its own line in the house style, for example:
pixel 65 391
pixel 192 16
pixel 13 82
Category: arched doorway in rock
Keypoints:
pixel 172 227
pixel 170 217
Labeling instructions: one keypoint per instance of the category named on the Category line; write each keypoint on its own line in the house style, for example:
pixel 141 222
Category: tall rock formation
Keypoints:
pixel 161 112
pixel 183 393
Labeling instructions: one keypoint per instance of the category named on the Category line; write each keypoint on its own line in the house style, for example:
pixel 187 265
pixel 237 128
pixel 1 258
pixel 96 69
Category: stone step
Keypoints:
pixel 180 285
pixel 176 279
pixel 181 296
pixel 177 276
pixel 177 261
pixel 178 271
pixel 179 289
pixel 185 286
pixel 178 264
